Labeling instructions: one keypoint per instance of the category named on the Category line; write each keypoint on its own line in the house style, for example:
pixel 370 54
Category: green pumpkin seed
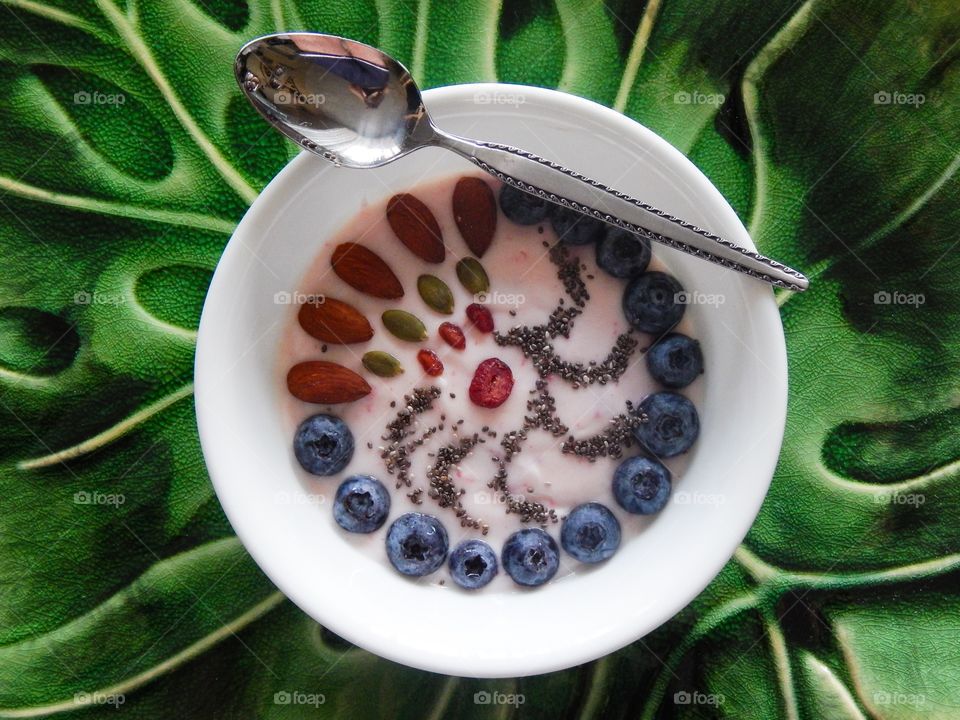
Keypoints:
pixel 404 325
pixel 435 293
pixel 472 276
pixel 381 364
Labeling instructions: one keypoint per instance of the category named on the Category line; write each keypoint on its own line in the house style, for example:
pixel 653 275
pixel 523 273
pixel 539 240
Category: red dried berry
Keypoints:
pixel 480 317
pixel 430 363
pixel 492 383
pixel 453 335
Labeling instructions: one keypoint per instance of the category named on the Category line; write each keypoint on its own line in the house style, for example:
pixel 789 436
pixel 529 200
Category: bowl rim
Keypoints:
pixel 767 319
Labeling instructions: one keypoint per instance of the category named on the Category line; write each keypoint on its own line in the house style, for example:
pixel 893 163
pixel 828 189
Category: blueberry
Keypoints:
pixel 522 207
pixel 361 504
pixel 653 302
pixel 531 557
pixel 671 424
pixel 590 533
pixel 623 254
pixel 641 485
pixel 416 544
pixel 675 361
pixel 473 564
pixel 323 444
pixel 575 228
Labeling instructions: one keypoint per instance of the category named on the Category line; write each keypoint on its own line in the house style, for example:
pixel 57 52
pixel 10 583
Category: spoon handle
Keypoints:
pixel 558 184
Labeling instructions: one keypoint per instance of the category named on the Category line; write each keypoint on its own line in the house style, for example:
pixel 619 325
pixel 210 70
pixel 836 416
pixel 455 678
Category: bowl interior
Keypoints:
pixel 578 618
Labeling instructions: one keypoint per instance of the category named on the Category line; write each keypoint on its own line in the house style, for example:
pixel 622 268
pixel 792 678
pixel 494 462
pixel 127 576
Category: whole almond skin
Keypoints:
pixel 362 269
pixel 475 212
pixel 416 227
pixel 319 381
pixel 334 321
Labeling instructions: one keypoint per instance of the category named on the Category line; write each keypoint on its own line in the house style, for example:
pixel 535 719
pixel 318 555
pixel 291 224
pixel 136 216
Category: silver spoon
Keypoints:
pixel 358 107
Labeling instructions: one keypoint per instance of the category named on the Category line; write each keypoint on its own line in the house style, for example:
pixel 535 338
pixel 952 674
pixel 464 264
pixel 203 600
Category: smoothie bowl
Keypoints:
pixel 474 433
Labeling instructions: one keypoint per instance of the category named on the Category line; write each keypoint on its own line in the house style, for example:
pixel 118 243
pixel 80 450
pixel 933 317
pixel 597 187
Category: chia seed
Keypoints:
pixel 534 342
pixel 442 487
pixel 396 453
pixel 611 442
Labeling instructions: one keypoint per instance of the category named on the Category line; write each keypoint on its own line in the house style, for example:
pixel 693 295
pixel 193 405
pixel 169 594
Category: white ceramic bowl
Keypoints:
pixel 488 634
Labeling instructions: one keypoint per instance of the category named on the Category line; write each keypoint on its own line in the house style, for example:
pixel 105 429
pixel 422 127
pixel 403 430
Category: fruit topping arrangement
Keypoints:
pixel 432 346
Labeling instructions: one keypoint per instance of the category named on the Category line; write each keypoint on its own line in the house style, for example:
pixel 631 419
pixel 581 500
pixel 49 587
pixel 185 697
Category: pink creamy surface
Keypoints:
pixel 523 279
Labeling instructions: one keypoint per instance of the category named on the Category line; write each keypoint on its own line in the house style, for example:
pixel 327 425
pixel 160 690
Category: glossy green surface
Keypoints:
pixel 127 155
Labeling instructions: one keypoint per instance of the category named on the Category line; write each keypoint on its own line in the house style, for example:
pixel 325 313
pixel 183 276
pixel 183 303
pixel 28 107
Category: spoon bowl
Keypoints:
pixel 342 99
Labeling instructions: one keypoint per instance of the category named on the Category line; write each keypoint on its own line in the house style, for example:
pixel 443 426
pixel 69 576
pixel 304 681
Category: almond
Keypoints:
pixel 319 381
pixel 475 212
pixel 334 321
pixel 416 227
pixel 362 269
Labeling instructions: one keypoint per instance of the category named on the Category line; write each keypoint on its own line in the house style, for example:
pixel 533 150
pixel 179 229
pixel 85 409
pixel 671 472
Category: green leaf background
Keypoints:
pixel 843 602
